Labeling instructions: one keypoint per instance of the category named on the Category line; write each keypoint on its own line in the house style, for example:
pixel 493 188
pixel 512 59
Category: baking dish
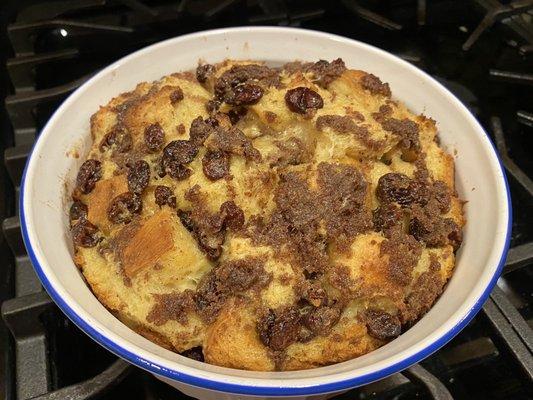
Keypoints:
pixel 59 151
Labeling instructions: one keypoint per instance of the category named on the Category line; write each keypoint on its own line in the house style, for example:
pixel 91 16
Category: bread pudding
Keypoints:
pixel 266 218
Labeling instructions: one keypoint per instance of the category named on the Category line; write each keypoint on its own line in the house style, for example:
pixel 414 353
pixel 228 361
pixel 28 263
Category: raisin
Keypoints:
pixel 154 137
pixel 179 172
pixel 180 151
pixel 320 320
pixel 90 172
pixel 235 85
pixel 203 72
pixel 215 165
pixel 424 227
pixel 118 139
pixel 164 195
pixel 85 234
pixel 246 94
pixel 209 242
pixel 382 325
pixel 386 216
pixel 207 228
pixel 427 226
pixel 195 354
pixel 278 330
pixel 175 154
pixel 138 176
pixel 78 210
pixel 176 96
pixel 399 188
pixel 302 99
pixel 394 187
pixel 232 214
pixel 236 114
pixel 123 207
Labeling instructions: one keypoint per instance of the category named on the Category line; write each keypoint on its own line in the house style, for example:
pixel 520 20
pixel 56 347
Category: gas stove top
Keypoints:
pixel 482 50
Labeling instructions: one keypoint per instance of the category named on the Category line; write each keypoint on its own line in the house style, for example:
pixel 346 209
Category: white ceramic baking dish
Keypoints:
pixel 480 180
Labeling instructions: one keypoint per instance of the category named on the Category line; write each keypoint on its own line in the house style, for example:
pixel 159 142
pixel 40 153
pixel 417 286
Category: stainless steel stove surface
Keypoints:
pixel 482 50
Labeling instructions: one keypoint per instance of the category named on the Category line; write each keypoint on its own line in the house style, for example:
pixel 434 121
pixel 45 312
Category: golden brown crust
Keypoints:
pixel 232 341
pixel 148 244
pixel 281 219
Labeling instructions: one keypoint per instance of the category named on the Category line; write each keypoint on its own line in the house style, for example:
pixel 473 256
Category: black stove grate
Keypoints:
pixel 486 64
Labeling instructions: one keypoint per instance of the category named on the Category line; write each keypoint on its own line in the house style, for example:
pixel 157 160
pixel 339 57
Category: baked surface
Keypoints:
pixel 266 218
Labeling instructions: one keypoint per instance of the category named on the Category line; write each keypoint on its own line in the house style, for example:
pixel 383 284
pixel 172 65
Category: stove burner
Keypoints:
pixel 511 167
pixel 91 388
pixel 525 49
pixel 421 10
pixel 371 16
pixel 498 13
pixel 511 77
pixel 525 118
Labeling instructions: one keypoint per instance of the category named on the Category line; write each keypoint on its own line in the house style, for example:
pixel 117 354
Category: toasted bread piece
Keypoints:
pixel 232 340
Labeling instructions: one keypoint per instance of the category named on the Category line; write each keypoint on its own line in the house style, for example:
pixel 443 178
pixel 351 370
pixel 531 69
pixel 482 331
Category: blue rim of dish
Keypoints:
pixel 232 388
